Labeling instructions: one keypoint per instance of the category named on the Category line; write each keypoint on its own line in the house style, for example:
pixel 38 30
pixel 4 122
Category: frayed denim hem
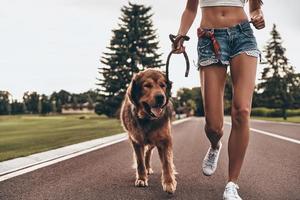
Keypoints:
pixel 251 52
pixel 210 61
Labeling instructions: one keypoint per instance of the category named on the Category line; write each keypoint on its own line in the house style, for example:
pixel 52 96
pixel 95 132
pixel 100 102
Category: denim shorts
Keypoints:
pixel 232 41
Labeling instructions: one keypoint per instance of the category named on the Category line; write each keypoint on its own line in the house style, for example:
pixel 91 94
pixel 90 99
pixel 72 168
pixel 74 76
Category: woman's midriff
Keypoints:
pixel 222 16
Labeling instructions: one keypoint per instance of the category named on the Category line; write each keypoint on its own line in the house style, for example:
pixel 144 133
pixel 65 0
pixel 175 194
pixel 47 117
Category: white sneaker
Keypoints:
pixel 230 192
pixel 210 161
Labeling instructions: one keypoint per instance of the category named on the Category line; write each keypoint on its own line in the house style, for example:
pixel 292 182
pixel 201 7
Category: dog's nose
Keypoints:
pixel 159 98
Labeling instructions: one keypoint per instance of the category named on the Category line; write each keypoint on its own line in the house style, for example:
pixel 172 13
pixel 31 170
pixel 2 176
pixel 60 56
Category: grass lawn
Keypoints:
pixel 279 119
pixel 28 134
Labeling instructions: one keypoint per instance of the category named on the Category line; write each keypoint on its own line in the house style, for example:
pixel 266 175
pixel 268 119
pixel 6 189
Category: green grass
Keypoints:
pixel 28 134
pixel 295 119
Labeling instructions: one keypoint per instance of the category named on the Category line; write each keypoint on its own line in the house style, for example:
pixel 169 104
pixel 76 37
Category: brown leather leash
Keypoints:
pixel 172 38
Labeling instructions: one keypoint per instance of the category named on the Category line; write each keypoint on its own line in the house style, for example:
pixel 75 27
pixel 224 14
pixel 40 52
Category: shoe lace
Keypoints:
pixel 211 158
pixel 232 189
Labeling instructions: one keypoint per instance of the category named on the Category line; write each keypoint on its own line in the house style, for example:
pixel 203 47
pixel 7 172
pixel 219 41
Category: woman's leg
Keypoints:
pixel 212 88
pixel 243 72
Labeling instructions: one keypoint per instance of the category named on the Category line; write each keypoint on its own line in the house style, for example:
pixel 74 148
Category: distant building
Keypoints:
pixel 83 108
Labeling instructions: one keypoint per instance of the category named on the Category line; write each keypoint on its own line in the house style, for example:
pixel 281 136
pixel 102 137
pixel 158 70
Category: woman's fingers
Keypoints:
pixel 179 50
pixel 177 46
pixel 259 23
pixel 257 19
pixel 259 26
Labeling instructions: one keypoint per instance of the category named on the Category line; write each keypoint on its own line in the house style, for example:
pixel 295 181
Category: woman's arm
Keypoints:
pixel 188 16
pixel 186 22
pixel 256 14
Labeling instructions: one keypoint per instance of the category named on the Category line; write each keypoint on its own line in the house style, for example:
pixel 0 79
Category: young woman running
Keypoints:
pixel 225 38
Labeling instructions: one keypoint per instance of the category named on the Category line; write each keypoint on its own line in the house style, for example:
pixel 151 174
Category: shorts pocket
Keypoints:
pixel 203 42
pixel 248 32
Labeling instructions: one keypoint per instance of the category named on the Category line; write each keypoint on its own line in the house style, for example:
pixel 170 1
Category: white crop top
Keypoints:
pixel 209 3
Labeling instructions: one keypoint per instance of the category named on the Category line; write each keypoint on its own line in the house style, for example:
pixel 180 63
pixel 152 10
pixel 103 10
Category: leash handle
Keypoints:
pixel 173 38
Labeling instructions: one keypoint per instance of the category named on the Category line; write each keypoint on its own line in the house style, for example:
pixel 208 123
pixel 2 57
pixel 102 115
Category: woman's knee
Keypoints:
pixel 240 114
pixel 215 129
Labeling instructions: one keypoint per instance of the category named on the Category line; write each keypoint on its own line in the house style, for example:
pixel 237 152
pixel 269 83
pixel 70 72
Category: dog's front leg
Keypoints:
pixel 141 175
pixel 165 152
pixel 148 155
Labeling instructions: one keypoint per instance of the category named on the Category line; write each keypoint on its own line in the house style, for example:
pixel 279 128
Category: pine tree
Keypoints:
pixel 278 78
pixel 133 47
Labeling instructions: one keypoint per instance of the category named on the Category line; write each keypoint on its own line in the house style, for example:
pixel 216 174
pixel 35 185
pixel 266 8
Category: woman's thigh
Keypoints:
pixel 213 80
pixel 243 73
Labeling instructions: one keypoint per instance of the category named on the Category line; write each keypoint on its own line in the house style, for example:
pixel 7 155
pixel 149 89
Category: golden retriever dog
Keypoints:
pixel 146 114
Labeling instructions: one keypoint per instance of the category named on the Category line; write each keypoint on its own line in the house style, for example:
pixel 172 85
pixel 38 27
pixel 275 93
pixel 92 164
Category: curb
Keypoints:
pixel 22 165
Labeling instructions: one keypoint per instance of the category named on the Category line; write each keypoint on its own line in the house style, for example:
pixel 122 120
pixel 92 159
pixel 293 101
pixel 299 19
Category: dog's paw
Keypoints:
pixel 150 171
pixel 141 183
pixel 169 187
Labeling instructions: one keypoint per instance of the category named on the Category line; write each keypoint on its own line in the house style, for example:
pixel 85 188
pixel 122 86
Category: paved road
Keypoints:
pixel 271 170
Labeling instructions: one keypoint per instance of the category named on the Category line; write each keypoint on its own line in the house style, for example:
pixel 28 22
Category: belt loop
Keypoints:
pixel 228 31
pixel 240 27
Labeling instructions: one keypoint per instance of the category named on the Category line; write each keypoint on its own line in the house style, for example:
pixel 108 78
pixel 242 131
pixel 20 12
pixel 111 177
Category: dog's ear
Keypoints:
pixel 133 90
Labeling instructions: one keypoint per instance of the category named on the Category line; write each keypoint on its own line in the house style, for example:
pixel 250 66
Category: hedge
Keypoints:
pixel 271 112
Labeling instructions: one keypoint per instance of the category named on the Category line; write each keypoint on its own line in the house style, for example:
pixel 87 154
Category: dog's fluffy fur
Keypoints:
pixel 148 123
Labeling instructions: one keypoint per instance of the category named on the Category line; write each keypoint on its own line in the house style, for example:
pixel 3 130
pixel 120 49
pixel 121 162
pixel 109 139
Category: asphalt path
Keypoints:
pixel 271 170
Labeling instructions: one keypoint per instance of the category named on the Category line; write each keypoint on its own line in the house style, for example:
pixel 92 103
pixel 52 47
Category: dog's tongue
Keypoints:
pixel 156 111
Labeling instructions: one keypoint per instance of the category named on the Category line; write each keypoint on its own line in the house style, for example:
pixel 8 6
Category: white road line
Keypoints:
pixel 271 134
pixel 272 122
pixel 31 168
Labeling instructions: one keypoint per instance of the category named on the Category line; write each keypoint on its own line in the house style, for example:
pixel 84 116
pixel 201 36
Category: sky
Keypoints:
pixel 48 45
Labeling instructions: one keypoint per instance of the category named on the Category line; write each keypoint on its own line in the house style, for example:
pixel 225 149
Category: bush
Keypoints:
pixel 294 112
pixel 271 112
pixel 262 112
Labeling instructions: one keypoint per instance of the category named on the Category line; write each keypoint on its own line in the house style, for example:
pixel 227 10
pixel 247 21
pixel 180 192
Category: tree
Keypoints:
pixel 91 96
pixel 278 80
pixel 61 98
pixel 64 96
pixel 228 95
pixel 189 100
pixel 295 90
pixel 58 106
pixel 5 108
pixel 17 107
pixel 197 97
pixel 53 107
pixel 24 108
pixel 45 104
pixel 31 101
pixel 133 47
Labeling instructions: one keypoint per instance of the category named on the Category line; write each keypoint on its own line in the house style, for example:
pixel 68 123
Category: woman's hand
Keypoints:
pixel 177 46
pixel 257 18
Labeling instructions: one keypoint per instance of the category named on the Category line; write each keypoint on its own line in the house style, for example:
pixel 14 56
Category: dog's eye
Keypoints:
pixel 162 85
pixel 148 85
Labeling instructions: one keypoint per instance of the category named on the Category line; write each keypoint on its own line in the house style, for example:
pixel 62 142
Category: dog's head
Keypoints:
pixel 149 91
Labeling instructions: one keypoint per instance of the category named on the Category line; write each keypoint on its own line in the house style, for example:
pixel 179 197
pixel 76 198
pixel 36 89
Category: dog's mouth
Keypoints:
pixel 153 111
